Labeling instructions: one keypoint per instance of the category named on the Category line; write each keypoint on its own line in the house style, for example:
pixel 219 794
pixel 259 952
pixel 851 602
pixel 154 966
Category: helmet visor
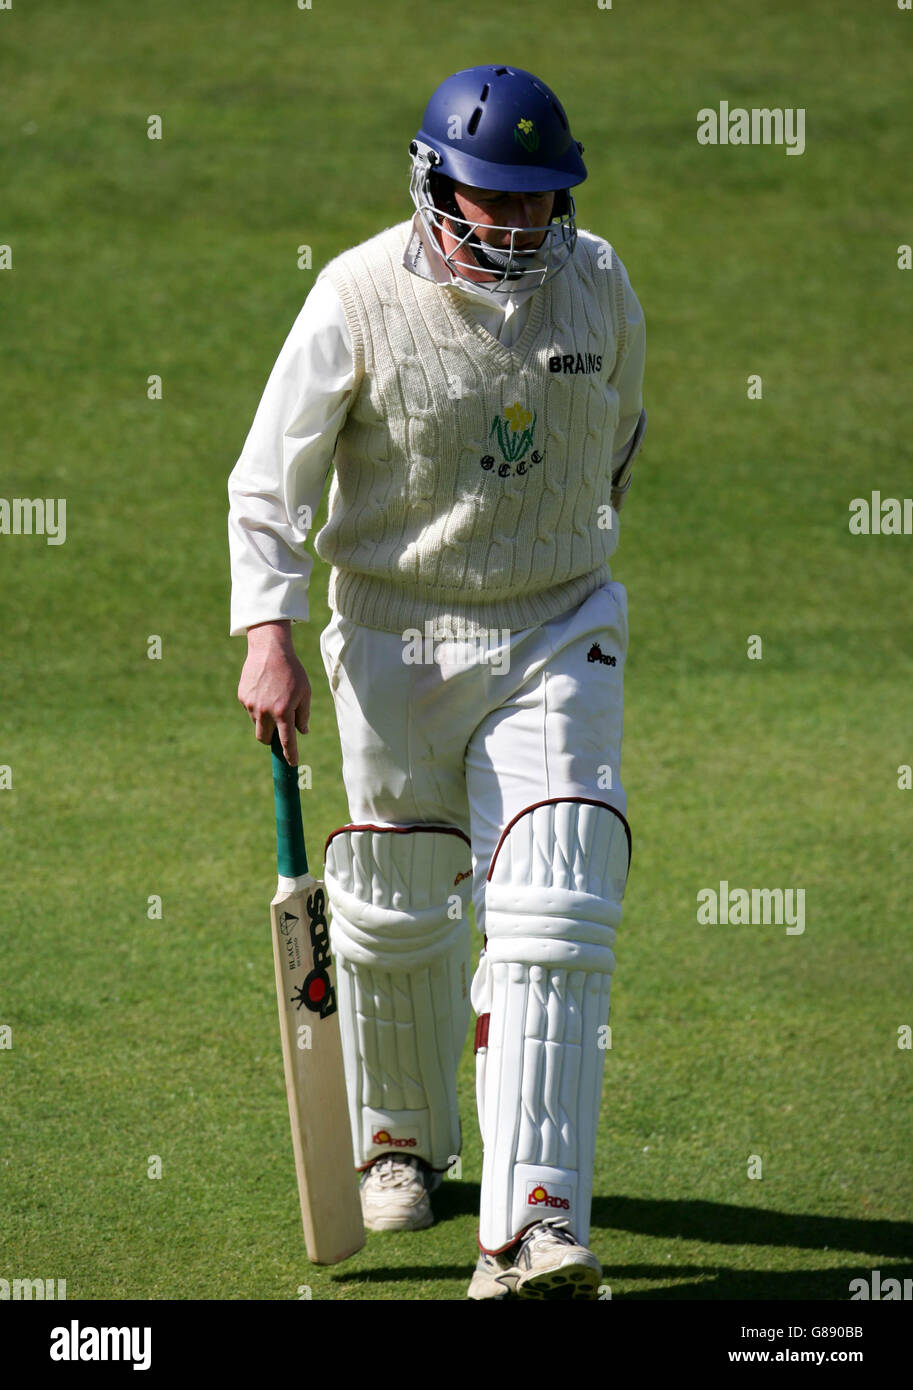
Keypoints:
pixel 498 258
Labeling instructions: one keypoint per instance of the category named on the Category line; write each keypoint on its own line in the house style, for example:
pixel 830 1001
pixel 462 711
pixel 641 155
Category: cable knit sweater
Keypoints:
pixel 472 481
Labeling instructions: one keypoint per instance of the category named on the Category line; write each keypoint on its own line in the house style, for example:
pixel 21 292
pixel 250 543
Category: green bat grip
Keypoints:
pixel 290 852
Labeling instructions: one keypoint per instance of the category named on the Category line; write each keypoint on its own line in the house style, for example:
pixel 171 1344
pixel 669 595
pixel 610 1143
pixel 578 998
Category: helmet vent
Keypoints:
pixel 501 72
pixel 474 121
pixel 560 114
pixel 485 90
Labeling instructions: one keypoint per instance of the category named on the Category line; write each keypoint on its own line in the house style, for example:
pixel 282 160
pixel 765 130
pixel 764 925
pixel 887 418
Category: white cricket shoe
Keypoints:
pixel 553 1265
pixel 395 1194
pixel 494 1277
pixel 547 1262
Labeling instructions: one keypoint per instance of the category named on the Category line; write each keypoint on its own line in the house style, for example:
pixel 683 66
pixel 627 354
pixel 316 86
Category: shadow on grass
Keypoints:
pixel 717 1282
pixel 413 1274
pixel 454 1199
pixel 717 1223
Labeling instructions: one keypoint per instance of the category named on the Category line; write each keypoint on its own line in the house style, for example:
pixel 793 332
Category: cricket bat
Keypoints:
pixel 311 1046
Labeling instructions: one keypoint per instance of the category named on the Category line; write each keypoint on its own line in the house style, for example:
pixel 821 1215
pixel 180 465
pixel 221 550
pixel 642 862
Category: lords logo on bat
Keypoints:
pixel 316 992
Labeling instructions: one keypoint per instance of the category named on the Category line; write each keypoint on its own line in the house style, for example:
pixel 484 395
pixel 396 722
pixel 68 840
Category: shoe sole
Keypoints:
pixel 568 1282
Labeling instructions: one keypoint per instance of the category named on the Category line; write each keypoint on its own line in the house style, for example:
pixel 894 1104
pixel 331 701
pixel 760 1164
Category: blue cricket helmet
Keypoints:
pixel 497 128
pixel 501 127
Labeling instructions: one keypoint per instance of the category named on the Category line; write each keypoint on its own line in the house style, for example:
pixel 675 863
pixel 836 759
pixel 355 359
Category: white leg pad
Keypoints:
pixel 552 906
pixel 400 935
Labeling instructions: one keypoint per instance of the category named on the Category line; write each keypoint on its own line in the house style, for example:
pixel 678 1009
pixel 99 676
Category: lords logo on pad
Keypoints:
pixel 538 1195
pixel 383 1136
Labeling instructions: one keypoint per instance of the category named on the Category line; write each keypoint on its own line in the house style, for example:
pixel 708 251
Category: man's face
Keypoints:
pixel 496 213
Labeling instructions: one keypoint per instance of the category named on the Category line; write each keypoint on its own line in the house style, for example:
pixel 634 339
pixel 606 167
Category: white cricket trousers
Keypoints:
pixel 491 727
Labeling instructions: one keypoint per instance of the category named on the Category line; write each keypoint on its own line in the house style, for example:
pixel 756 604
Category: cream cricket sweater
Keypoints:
pixel 472 481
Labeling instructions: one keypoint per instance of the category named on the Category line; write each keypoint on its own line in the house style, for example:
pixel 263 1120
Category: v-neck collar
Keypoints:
pixel 461 307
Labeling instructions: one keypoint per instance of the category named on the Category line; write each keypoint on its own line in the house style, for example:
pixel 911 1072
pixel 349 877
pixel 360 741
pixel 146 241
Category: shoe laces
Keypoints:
pixel 553 1230
pixel 393 1171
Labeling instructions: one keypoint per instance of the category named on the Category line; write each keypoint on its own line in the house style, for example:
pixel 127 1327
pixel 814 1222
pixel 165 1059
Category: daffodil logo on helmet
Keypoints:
pixel 527 135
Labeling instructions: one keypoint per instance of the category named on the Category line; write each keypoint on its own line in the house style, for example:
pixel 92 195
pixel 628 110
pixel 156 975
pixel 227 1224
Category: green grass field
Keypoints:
pixel 132 1037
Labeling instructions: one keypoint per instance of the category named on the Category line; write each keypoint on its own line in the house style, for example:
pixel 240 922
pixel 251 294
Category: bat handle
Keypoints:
pixel 291 856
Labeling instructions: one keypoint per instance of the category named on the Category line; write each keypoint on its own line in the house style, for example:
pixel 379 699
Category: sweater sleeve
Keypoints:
pixel 277 484
pixel 627 378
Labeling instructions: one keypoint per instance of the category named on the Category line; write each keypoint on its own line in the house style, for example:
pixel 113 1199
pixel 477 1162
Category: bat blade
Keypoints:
pixel 314 1076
